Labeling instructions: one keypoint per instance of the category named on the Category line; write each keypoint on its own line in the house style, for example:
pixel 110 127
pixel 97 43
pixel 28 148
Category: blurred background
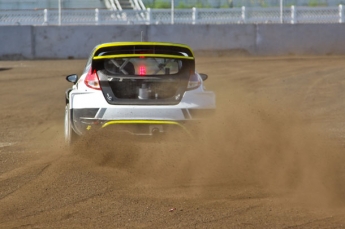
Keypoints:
pixel 158 4
pixel 148 12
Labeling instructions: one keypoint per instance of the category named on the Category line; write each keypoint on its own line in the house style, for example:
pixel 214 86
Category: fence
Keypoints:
pixel 292 15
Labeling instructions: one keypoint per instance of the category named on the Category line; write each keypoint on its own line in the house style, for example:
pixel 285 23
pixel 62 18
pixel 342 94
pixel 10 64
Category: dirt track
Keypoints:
pixel 271 158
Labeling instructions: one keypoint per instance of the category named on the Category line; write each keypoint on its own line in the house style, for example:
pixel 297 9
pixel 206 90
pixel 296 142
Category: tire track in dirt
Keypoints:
pixel 6 181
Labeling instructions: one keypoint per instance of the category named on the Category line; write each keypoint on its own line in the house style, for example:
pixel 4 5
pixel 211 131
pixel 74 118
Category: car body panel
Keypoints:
pixel 90 107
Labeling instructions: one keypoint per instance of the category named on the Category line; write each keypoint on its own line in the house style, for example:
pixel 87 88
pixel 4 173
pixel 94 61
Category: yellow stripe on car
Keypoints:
pixel 138 44
pixel 112 44
pixel 141 55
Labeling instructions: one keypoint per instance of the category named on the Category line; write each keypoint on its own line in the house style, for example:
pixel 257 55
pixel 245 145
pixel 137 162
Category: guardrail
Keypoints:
pixel 291 15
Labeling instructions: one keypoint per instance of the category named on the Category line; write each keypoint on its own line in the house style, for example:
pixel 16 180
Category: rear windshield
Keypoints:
pixel 143 66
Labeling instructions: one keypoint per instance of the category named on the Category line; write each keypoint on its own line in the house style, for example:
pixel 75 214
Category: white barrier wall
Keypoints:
pixel 300 39
pixel 60 42
pixel 16 42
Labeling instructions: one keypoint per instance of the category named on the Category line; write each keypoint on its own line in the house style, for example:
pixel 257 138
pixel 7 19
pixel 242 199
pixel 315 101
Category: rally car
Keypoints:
pixel 140 89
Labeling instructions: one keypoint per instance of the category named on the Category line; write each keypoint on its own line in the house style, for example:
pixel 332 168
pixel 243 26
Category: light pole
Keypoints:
pixel 59 12
pixel 281 11
pixel 172 11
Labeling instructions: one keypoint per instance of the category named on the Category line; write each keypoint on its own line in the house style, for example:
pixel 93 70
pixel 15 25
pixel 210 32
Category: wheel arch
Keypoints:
pixel 67 95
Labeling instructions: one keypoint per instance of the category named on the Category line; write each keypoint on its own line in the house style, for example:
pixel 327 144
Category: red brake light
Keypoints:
pixel 194 81
pixel 91 80
pixel 142 70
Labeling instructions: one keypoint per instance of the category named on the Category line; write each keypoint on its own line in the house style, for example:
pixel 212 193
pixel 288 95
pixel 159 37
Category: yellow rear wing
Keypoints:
pixel 142 50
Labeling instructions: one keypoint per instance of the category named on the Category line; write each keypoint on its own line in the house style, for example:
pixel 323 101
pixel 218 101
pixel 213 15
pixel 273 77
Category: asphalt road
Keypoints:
pixel 272 157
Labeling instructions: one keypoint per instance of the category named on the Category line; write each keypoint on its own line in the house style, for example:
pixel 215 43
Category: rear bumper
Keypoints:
pixel 108 117
pixel 95 99
pixel 90 111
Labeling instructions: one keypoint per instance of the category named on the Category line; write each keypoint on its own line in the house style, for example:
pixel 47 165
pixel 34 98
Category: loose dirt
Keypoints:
pixel 272 157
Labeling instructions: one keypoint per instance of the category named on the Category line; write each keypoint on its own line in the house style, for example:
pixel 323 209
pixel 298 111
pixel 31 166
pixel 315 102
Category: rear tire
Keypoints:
pixel 70 135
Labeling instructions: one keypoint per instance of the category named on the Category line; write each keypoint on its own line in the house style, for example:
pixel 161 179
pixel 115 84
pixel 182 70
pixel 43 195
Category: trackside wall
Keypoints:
pixel 60 42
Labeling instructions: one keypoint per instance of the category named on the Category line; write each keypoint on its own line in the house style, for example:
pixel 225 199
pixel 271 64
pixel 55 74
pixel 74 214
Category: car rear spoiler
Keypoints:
pixel 142 49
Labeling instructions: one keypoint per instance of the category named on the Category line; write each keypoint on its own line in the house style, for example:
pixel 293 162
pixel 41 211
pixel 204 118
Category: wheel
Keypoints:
pixel 70 135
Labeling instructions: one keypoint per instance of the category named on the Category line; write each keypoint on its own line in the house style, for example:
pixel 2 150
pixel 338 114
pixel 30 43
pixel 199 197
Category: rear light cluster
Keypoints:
pixel 91 80
pixel 142 70
pixel 194 81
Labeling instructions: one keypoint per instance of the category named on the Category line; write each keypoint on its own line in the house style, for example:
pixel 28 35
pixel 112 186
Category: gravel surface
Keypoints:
pixel 272 157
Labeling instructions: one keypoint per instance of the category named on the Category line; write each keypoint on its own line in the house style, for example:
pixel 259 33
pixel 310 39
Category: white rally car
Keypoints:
pixel 137 88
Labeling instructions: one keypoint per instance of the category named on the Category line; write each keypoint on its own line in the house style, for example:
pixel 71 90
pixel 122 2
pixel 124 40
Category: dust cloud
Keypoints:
pixel 247 142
